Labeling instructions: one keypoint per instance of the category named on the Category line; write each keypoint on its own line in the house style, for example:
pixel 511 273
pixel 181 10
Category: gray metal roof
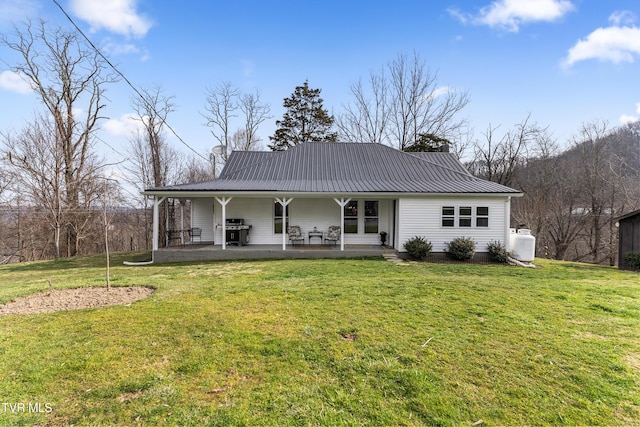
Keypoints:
pixel 327 167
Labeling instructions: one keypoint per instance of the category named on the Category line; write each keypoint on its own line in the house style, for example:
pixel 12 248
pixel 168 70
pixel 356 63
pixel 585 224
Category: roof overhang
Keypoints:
pixel 272 194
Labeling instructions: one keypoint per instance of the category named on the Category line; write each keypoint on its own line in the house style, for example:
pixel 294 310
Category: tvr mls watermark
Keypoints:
pixel 22 407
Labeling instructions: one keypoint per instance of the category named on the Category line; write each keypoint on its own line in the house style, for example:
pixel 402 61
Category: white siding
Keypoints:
pixel 321 213
pixel 423 217
pixel 202 217
pixel 305 212
pixel 256 212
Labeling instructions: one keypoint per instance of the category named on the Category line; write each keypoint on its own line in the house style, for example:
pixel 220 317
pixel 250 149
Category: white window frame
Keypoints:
pixel 376 216
pixel 479 217
pixel 456 218
pixel 448 217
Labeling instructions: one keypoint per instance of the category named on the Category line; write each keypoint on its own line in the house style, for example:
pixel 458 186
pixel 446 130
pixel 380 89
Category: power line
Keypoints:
pixel 127 81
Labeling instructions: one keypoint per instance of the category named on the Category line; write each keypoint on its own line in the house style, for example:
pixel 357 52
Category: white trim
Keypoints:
pixel 223 202
pixel 473 216
pixel 342 202
pixel 507 224
pixel 284 202
pixel 272 194
pixel 156 220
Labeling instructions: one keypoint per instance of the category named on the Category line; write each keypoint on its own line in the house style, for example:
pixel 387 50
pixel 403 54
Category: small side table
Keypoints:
pixel 318 234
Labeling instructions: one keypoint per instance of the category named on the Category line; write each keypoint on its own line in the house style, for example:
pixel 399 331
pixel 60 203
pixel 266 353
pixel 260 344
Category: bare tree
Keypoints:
pixel 402 102
pixel 196 170
pixel 366 120
pixel 255 113
pixel 37 159
pixel 538 180
pixel 498 158
pixel 111 199
pixel 600 185
pixel 154 163
pixel 566 220
pixel 5 180
pixel 222 104
pixel 68 77
pixel 152 110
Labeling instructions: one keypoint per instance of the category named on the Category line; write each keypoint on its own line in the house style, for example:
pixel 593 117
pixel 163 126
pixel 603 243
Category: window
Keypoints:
pixel 277 217
pixel 351 217
pixel 482 216
pixel 371 216
pixel 464 216
pixel 448 216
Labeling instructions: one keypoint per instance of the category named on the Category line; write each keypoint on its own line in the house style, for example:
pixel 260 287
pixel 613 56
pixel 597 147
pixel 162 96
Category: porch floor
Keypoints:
pixel 205 252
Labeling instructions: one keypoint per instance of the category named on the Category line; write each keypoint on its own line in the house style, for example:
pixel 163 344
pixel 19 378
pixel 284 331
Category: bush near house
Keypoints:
pixel 418 247
pixel 633 259
pixel 461 248
pixel 497 251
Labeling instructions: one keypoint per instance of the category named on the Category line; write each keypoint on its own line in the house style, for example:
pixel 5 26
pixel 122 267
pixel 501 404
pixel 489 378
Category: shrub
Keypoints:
pixel 633 259
pixel 418 247
pixel 461 248
pixel 497 251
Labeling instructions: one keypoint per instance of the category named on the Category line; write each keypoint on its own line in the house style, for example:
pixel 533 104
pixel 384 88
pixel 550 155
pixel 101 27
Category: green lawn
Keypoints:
pixel 327 342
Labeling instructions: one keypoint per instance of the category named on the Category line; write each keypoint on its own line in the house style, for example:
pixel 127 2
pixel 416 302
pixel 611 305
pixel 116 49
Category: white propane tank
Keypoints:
pixel 523 245
pixel 512 237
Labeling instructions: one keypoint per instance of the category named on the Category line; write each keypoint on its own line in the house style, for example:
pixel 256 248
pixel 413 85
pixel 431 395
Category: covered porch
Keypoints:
pixel 363 223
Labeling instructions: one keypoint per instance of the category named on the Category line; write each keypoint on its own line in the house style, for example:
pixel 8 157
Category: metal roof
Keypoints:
pixel 328 167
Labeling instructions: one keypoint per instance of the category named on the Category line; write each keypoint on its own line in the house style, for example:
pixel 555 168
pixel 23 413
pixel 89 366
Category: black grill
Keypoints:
pixel 237 232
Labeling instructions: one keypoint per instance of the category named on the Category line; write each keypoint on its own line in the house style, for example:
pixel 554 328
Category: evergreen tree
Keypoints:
pixel 428 142
pixel 304 121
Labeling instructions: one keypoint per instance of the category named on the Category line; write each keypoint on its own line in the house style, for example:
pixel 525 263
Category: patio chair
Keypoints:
pixel 295 234
pixel 195 232
pixel 333 235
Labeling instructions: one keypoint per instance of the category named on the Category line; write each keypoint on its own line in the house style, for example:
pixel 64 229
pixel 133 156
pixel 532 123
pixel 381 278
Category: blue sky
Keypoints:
pixel 563 61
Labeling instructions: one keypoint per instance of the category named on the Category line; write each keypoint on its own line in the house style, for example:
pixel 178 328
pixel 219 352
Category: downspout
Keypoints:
pixel 519 263
pixel 507 224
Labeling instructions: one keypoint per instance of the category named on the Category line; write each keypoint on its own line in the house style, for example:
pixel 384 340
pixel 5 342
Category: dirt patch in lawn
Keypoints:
pixel 75 299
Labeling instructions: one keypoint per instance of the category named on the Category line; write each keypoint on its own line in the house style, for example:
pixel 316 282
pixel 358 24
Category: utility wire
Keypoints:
pixel 127 81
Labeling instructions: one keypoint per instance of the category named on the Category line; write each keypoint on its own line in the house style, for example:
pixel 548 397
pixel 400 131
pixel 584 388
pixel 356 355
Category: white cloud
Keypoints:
pixel 511 14
pixel 126 125
pixel 14 82
pixel 117 49
pixel 615 44
pixel 439 91
pixel 627 118
pixel 118 16
pixel 622 17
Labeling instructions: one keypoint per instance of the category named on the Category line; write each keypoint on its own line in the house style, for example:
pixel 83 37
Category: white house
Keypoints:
pixel 364 188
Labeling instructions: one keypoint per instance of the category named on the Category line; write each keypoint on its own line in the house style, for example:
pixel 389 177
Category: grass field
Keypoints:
pixel 327 342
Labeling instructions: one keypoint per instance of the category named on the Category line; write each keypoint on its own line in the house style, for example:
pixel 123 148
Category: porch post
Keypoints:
pixel 284 202
pixel 342 202
pixel 182 202
pixel 223 201
pixel 156 220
